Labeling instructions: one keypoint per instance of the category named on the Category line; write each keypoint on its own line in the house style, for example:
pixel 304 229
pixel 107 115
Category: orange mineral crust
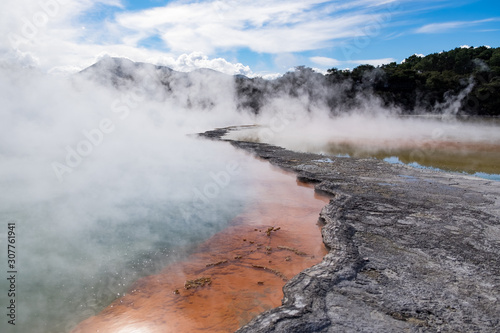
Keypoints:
pixel 233 276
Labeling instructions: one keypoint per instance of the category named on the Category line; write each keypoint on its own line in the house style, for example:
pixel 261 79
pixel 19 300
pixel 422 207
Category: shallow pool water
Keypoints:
pixel 80 245
pixel 242 268
pixel 469 146
pixel 481 160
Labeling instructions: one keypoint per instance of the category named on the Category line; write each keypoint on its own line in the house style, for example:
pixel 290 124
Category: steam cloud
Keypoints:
pixel 102 177
pixel 105 185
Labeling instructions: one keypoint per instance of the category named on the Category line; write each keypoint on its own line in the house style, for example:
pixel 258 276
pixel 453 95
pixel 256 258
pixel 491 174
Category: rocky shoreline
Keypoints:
pixel 410 250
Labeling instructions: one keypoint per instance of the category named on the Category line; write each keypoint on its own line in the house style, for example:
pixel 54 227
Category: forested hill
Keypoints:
pixel 463 81
pixel 460 81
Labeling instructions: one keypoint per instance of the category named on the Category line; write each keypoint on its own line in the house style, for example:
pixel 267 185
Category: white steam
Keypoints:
pixel 101 178
pixel 105 184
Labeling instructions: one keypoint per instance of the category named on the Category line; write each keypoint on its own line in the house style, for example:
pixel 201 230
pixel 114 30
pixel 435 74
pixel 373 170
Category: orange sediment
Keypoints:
pixel 233 276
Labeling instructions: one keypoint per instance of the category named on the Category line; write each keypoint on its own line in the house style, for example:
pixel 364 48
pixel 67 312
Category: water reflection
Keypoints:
pixel 243 268
pixel 481 159
pixel 80 249
pixel 468 145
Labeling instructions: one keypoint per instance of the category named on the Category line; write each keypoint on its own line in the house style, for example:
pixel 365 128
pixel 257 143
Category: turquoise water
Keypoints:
pixel 78 250
pixel 395 160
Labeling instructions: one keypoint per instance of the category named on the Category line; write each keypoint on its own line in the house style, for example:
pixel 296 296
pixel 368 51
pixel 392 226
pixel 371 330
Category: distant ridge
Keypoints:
pixel 462 81
pixel 123 67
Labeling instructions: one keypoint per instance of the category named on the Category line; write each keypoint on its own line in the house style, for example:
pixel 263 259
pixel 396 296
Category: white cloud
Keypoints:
pixel 320 70
pixel 468 46
pixel 21 59
pixel 374 62
pixel 192 30
pixel 261 25
pixel 324 61
pixel 194 60
pixel 330 62
pixel 435 28
pixel 271 76
pixel 58 47
pixel 45 31
pixel 285 61
pixel 68 38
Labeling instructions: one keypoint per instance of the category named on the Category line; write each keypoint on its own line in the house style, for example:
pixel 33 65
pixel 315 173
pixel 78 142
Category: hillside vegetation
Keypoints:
pixel 460 81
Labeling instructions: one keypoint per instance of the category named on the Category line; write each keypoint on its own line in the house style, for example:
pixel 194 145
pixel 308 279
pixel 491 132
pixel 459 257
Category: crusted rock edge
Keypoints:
pixel 410 250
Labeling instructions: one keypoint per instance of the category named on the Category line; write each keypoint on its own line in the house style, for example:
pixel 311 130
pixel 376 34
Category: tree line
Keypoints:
pixel 420 84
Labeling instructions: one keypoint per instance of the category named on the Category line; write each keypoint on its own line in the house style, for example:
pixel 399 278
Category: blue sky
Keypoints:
pixel 258 37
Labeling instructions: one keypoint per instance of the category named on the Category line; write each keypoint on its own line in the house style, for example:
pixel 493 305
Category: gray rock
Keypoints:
pixel 410 250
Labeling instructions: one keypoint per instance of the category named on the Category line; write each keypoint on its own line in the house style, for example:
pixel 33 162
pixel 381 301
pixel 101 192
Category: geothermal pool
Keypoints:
pixel 126 243
pixel 479 159
pixel 452 145
pixel 243 267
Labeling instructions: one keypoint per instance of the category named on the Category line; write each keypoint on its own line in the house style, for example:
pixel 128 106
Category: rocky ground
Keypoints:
pixel 410 250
